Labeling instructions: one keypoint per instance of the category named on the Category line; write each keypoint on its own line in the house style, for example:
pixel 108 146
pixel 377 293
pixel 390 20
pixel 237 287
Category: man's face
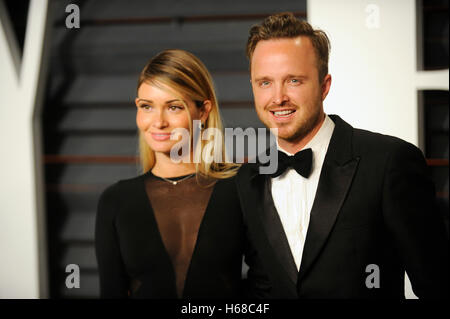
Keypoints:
pixel 286 88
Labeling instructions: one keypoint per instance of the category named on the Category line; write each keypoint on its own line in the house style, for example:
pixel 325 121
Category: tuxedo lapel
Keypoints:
pixel 260 209
pixel 275 232
pixel 336 176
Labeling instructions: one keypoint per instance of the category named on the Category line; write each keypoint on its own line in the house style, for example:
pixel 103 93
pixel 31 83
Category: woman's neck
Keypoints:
pixel 165 167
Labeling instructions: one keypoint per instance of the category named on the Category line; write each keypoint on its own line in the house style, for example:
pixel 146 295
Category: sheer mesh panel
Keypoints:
pixel 178 210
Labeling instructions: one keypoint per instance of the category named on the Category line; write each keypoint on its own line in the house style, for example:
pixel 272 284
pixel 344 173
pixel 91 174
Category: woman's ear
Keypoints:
pixel 136 100
pixel 206 108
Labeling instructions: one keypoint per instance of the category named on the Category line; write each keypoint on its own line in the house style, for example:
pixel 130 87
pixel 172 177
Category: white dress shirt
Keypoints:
pixel 293 195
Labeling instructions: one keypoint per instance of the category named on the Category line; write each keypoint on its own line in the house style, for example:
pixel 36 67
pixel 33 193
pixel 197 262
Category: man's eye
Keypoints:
pixel 264 83
pixel 295 81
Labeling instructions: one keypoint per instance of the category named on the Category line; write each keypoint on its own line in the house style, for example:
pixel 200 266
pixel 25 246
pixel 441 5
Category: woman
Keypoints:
pixel 176 231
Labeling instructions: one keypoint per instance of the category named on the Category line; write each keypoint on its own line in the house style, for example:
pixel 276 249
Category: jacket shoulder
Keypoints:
pixel 246 171
pixel 367 141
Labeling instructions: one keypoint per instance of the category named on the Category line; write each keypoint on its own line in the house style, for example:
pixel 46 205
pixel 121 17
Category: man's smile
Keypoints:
pixel 282 115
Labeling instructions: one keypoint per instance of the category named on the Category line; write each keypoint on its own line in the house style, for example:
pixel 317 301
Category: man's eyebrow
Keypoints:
pixel 262 78
pixel 150 101
pixel 289 76
pixel 296 76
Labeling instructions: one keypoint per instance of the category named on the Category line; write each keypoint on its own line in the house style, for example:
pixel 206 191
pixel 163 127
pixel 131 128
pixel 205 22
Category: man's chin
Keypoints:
pixel 292 136
pixel 285 132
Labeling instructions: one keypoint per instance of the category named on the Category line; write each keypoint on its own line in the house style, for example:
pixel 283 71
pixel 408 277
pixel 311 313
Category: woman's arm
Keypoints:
pixel 113 277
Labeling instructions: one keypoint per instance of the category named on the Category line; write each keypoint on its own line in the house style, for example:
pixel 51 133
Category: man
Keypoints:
pixel 353 210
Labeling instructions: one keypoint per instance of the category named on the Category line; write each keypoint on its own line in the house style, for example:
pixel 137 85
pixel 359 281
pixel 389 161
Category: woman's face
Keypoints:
pixel 159 112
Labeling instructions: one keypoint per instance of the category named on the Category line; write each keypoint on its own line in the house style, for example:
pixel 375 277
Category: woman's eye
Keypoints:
pixel 146 106
pixel 175 107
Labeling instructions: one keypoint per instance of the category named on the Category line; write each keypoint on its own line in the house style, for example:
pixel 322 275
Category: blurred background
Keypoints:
pixel 68 115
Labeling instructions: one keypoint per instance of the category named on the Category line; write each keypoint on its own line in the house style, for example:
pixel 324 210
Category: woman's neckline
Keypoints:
pixel 173 178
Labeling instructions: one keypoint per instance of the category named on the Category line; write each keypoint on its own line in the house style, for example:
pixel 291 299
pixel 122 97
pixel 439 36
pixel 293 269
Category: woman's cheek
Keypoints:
pixel 142 121
pixel 184 123
pixel 174 121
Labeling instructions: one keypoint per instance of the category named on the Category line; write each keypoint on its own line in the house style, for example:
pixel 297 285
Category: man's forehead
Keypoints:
pixel 276 50
pixel 277 65
pixel 280 43
pixel 284 50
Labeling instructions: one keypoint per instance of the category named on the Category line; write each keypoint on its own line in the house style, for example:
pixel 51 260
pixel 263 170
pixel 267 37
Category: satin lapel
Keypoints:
pixel 333 187
pixel 275 231
pixel 335 180
pixel 256 199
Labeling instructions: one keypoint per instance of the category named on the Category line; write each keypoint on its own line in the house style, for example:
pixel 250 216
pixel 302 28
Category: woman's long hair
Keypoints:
pixel 187 76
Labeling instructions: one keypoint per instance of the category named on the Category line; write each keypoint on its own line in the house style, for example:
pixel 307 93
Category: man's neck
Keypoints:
pixel 294 146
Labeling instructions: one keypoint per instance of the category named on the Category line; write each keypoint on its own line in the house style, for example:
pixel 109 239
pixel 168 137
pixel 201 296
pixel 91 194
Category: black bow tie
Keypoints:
pixel 301 162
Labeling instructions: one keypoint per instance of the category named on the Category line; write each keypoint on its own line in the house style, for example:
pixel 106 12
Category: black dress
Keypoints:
pixel 154 239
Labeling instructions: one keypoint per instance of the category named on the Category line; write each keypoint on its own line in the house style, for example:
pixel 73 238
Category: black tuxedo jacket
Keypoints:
pixel 373 214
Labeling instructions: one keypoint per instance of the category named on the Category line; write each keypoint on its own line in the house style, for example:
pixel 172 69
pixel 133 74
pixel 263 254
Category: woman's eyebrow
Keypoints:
pixel 170 101
pixel 150 101
pixel 145 100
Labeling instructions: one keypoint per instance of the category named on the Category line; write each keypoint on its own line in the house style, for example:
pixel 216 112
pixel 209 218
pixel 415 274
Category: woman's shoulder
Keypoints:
pixel 122 188
pixel 117 195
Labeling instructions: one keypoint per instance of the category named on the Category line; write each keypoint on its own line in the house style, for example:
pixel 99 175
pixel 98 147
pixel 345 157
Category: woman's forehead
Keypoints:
pixel 159 92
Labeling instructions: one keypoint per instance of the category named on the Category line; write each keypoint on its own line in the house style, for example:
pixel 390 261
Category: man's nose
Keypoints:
pixel 280 96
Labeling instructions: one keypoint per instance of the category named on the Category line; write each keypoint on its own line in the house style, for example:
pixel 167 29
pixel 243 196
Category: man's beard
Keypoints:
pixel 306 127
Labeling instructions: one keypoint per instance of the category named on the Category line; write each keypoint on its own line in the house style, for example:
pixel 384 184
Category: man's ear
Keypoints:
pixel 206 108
pixel 325 87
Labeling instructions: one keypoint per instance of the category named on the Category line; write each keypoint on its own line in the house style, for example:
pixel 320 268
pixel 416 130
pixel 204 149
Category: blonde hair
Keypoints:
pixel 187 76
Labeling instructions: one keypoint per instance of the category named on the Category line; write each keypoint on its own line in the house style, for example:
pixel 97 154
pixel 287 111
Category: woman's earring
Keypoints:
pixel 201 125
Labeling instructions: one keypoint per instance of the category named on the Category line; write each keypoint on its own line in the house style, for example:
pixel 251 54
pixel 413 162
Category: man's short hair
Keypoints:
pixel 286 25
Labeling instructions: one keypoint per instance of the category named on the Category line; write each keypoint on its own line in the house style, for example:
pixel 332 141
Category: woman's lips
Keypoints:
pixel 161 136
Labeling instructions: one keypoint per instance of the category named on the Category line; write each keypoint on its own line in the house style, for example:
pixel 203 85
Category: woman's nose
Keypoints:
pixel 160 120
